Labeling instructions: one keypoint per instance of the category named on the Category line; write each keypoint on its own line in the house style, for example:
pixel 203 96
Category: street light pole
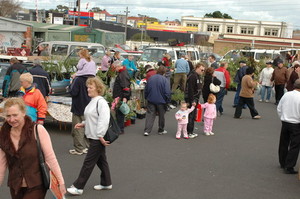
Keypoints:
pixel 126 23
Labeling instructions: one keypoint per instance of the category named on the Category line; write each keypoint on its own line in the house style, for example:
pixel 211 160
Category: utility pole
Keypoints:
pixel 36 11
pixel 78 12
pixel 126 23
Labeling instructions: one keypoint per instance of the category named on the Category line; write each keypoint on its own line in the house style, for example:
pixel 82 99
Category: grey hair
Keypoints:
pixel 36 62
pixel 117 63
pixel 297 84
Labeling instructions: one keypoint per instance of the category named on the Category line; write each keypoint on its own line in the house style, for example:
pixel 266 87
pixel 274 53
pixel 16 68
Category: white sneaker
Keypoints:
pixel 146 134
pixel 207 133
pixel 74 152
pixel 172 106
pixel 211 133
pixel 260 100
pixel 267 101
pixel 192 135
pixel 85 150
pixel 100 187
pixel 74 191
pixel 162 133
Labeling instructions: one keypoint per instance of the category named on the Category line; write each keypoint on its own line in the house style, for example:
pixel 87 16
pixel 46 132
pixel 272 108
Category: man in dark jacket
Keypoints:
pixel 40 78
pixel 240 73
pixel 11 83
pixel 122 90
pixel 80 100
pixel 157 93
pixel 192 94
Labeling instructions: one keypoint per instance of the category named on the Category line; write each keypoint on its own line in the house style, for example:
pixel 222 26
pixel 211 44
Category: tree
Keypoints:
pixel 137 37
pixel 218 14
pixel 9 7
pixel 60 9
pixel 95 9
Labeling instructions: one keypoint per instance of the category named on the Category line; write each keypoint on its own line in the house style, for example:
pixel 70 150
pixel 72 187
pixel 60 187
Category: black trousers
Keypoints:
pixel 120 119
pixel 192 116
pixel 242 102
pixel 96 155
pixel 279 91
pixel 152 109
pixel 289 144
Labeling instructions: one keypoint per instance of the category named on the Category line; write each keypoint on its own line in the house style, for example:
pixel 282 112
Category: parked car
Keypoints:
pixel 127 49
pixel 204 56
pixel 3 69
pixel 64 48
pixel 255 54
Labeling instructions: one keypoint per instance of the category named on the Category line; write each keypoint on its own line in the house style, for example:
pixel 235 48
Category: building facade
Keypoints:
pixel 243 27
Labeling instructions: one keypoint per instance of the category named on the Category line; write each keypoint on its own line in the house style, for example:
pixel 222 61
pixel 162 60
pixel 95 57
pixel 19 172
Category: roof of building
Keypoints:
pixel 49 26
pixel 106 13
pixel 15 21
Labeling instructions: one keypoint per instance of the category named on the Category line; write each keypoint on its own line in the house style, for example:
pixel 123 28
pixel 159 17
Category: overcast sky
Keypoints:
pixel 265 10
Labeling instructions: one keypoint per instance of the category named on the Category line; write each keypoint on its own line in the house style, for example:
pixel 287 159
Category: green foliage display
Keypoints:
pixel 177 96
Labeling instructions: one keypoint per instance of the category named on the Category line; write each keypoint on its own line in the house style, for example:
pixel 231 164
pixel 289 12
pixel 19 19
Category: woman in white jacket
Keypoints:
pixel 96 124
pixel 265 81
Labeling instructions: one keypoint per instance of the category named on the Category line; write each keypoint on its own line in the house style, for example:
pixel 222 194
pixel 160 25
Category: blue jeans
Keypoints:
pixel 220 97
pixel 263 92
pixel 237 95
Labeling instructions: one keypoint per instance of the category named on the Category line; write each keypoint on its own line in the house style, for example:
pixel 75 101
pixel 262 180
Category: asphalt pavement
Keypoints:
pixel 239 162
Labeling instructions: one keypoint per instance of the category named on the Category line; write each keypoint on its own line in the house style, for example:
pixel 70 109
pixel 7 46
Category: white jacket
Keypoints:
pixel 265 76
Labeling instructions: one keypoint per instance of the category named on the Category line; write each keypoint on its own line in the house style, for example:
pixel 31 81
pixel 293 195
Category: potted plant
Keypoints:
pixel 177 97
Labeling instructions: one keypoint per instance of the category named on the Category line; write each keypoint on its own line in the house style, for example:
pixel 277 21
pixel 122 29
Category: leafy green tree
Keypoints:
pixel 218 14
pixel 60 9
pixel 95 9
pixel 9 7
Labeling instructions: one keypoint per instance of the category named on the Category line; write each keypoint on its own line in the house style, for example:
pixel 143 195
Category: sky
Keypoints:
pixel 262 10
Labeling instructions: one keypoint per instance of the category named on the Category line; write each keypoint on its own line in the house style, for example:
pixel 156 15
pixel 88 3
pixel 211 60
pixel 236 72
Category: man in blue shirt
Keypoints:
pixel 181 70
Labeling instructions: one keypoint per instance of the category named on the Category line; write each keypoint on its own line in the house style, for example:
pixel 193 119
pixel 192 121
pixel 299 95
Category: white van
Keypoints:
pixel 64 48
pixel 153 55
pixel 256 54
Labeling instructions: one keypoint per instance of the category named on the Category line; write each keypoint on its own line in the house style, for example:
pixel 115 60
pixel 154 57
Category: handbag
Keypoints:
pixel 113 130
pixel 214 88
pixel 43 166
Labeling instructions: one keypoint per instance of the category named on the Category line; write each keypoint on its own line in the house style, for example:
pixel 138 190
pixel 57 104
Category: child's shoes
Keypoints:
pixel 211 133
pixel 207 133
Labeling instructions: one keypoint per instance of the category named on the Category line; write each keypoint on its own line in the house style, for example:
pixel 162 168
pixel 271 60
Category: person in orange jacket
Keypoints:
pixel 33 98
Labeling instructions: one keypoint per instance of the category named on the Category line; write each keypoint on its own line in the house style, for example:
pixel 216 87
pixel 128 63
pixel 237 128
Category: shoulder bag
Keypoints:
pixel 44 167
pixel 113 130
pixel 214 88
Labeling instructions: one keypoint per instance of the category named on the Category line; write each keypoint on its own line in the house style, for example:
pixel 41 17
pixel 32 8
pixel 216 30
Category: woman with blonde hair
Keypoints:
pixel 97 116
pixel 85 66
pixel 19 153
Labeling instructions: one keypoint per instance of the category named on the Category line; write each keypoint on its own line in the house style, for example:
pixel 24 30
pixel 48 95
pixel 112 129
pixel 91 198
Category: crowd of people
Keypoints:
pixel 26 94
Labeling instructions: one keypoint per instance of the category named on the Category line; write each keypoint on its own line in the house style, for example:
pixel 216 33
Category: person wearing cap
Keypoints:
pixel 238 79
pixel 265 81
pixel 293 77
pixel 280 77
pixel 289 114
pixel 182 68
pixel 158 95
pixel 121 90
pixel 150 71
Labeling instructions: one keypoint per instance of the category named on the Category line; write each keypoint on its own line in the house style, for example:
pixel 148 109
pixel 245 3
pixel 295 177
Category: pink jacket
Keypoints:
pixel 184 115
pixel 210 110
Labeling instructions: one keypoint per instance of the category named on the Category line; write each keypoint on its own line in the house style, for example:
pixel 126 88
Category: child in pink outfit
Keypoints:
pixel 210 114
pixel 182 117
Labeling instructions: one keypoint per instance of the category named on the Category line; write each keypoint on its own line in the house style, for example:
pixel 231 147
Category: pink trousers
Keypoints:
pixel 181 128
pixel 208 124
